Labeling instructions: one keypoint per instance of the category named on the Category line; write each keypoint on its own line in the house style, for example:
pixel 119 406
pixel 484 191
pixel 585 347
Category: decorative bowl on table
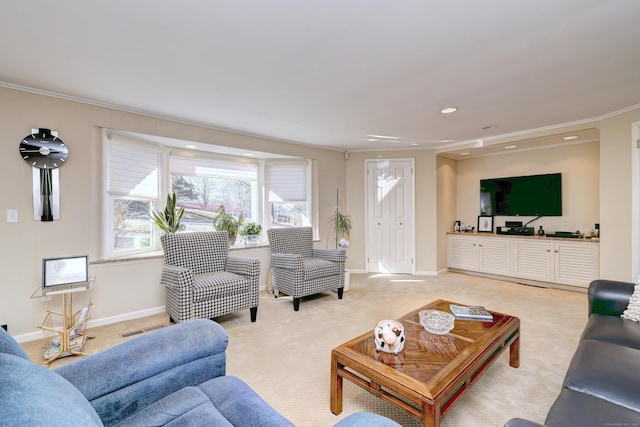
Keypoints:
pixel 436 321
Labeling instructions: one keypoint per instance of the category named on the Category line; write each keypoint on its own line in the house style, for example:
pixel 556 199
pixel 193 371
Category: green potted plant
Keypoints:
pixel 341 224
pixel 251 233
pixel 222 221
pixel 169 219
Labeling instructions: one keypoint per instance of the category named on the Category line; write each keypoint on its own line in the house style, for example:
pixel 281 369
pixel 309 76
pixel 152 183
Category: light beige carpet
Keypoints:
pixel 285 355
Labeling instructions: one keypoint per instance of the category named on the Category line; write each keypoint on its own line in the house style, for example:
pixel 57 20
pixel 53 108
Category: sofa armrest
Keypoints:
pixel 126 378
pixel 287 261
pixel 609 296
pixel 336 255
pixel 366 419
pixel 519 422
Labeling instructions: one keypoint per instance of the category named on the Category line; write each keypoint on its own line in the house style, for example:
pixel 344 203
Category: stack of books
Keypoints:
pixel 467 312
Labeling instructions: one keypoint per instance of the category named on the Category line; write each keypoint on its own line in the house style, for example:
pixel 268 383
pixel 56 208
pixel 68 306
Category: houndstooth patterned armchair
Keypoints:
pixel 202 281
pixel 300 270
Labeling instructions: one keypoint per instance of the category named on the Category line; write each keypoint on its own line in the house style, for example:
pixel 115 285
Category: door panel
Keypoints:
pixel 390 216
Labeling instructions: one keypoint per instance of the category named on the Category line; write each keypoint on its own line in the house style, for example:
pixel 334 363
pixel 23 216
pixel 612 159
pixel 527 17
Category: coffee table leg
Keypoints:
pixel 514 353
pixel 336 387
pixel 430 415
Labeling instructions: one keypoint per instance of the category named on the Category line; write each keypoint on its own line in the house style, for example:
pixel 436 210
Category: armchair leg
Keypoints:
pixel 296 304
pixel 254 313
pixel 340 292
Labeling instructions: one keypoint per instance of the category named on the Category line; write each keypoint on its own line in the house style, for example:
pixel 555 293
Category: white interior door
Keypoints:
pixel 390 216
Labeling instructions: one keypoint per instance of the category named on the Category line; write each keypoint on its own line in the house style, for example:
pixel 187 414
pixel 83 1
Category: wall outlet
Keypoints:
pixel 12 215
pixel 45 298
pixel 4 327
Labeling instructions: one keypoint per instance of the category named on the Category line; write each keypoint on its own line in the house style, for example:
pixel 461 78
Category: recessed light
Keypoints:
pixel 449 110
pixel 567 138
pixel 191 147
pixel 248 154
pixel 509 147
pixel 383 137
pixel 466 153
pixel 490 127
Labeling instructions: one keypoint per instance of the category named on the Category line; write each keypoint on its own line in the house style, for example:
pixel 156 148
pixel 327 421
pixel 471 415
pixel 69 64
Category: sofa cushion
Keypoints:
pixel 573 408
pixel 605 370
pixel 166 360
pixel 218 284
pixel 613 329
pixel 35 396
pixel 186 407
pixel 10 346
pixel 315 268
pixel 239 404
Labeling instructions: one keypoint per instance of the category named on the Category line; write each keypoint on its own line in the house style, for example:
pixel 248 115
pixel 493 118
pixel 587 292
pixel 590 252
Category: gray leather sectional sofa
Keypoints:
pixel 602 385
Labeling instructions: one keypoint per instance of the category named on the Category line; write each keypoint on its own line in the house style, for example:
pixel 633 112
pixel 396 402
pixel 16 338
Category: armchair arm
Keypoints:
pixel 176 277
pixel 243 266
pixel 337 255
pixel 609 296
pixel 131 376
pixel 287 261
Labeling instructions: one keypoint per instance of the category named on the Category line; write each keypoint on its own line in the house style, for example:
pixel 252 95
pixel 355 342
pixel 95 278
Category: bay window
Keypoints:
pixel 140 171
pixel 133 189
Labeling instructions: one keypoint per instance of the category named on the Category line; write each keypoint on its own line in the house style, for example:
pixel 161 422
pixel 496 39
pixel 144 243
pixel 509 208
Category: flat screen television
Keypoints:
pixel 64 271
pixel 533 195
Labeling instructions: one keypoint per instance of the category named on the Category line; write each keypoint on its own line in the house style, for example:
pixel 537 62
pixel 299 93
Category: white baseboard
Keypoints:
pixel 31 336
pixel 430 273
pixel 417 273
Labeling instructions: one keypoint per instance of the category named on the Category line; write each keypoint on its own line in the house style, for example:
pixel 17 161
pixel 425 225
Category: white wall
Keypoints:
pixel 618 261
pixel 579 165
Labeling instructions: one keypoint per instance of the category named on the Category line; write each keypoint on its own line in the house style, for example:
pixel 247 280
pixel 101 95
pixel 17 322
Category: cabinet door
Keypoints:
pixel 494 255
pixel 576 263
pixel 461 252
pixel 533 260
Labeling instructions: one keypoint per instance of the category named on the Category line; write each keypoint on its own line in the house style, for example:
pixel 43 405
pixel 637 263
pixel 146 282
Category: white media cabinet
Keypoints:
pixel 543 261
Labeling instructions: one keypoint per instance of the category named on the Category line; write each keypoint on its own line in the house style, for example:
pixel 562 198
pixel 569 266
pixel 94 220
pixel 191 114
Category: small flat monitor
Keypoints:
pixel 65 271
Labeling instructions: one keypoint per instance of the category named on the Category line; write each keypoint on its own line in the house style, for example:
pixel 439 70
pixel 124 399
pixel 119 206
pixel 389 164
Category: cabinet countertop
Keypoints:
pixel 536 237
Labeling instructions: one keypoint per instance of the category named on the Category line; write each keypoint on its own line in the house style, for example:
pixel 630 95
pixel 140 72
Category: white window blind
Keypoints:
pixel 133 170
pixel 213 168
pixel 287 181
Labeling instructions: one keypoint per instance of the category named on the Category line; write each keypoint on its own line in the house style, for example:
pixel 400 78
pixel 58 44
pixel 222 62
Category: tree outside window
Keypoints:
pixel 201 196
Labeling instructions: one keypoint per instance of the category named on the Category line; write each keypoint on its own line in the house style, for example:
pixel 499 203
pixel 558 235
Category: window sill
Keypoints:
pixel 159 254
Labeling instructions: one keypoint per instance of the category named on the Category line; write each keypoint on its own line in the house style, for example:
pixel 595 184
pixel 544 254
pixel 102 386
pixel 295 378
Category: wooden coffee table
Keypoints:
pixel 433 371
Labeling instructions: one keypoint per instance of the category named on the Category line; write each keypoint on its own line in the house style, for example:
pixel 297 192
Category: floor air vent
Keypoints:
pixel 142 331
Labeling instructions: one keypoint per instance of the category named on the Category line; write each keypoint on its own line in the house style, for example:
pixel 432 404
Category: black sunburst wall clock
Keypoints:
pixel 43 150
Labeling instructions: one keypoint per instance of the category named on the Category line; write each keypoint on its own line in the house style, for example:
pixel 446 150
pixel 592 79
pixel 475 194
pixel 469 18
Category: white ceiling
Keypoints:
pixel 331 73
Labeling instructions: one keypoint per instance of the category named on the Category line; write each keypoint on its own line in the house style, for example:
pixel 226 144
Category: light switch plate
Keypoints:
pixel 12 215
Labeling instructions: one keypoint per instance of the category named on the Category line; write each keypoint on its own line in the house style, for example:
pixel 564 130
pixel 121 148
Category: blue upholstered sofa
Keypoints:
pixel 175 376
